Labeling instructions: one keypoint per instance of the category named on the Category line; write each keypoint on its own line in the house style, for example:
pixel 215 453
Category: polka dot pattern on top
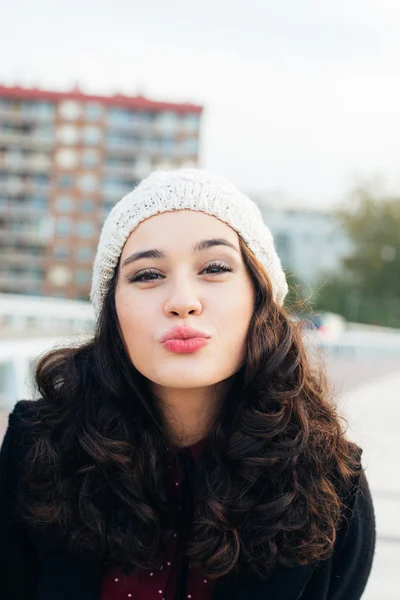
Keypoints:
pixel 160 584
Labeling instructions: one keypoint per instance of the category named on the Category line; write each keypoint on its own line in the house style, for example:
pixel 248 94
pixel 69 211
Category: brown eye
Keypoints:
pixel 144 276
pixel 217 268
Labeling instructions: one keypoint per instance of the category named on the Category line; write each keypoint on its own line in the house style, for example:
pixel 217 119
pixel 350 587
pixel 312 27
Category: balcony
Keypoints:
pixel 23 116
pixel 115 192
pixel 23 209
pixel 16 186
pixel 15 257
pixel 25 284
pixel 120 170
pixel 24 140
pixel 123 148
pixel 34 235
pixel 35 164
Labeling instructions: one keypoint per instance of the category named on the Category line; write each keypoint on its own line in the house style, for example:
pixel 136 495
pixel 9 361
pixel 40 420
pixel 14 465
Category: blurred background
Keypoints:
pixel 297 103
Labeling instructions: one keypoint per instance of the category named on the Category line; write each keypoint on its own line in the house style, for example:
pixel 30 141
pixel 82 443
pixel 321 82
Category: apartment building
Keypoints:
pixel 65 159
pixel 309 241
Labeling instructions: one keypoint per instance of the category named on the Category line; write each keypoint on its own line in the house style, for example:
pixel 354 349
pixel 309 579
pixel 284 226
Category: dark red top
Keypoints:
pixel 160 584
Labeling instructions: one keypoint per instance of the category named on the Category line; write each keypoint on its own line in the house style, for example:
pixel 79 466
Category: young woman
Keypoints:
pixel 188 450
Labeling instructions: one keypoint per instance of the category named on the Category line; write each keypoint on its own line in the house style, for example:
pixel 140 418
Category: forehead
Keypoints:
pixel 178 229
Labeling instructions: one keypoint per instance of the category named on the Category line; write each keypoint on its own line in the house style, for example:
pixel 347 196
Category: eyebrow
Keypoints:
pixel 198 247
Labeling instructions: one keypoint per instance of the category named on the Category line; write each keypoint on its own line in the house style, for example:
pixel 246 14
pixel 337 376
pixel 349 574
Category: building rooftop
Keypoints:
pixel 118 100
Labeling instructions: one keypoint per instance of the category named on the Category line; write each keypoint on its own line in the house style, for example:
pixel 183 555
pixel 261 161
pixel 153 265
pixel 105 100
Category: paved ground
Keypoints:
pixel 348 374
pixel 373 413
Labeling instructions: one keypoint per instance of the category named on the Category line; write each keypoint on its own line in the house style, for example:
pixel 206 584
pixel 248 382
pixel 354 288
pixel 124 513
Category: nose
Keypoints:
pixel 183 301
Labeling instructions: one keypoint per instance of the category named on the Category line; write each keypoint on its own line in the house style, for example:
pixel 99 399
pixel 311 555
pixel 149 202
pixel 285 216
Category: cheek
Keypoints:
pixel 237 304
pixel 233 316
pixel 131 316
pixel 135 326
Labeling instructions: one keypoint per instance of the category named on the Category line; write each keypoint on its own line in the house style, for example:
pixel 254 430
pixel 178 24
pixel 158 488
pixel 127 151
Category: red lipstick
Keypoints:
pixel 184 339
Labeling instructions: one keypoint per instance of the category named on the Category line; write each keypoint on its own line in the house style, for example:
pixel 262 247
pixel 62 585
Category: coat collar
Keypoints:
pixel 65 576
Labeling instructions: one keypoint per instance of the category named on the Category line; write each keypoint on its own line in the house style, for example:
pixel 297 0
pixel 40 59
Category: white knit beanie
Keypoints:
pixel 193 189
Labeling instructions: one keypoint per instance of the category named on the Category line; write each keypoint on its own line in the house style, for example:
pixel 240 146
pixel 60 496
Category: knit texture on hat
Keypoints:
pixel 193 189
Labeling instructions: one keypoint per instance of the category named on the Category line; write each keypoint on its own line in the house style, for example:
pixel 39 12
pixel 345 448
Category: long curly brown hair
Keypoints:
pixel 276 469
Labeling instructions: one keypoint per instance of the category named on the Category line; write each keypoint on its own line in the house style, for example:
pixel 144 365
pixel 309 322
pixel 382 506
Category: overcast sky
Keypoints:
pixel 302 97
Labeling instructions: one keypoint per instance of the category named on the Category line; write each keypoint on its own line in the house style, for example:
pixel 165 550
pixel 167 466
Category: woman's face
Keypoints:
pixel 207 289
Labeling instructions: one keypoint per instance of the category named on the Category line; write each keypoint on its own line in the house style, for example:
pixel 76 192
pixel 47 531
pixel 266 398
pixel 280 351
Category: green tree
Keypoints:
pixel 368 287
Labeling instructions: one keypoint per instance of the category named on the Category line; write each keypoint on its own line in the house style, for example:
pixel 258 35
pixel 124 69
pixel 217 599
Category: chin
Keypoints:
pixel 180 383
pixel 184 380
pixel 189 378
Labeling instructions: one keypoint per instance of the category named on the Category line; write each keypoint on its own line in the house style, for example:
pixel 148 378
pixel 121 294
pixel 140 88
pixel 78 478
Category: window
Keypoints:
pixel 68 134
pixel 124 138
pixel 86 229
pixel 39 203
pixel 117 187
pixel 112 187
pixel 142 168
pixel 84 254
pixel 22 249
pixel 36 109
pixel 93 111
pixel 88 182
pixel 91 134
pixel 15 157
pixel 39 161
pixel 43 132
pixel 192 122
pixel 67 158
pixel 149 144
pixel 17 227
pixel 284 248
pixel 167 147
pixel 5 104
pixel 63 227
pixel 64 204
pixel 107 207
pixel 82 276
pixel 120 117
pixel 36 274
pixel 90 158
pixel 59 275
pixel 87 205
pixel 70 110
pixel 120 161
pixel 41 179
pixel 114 141
pixel 43 109
pixel 65 181
pixel 191 146
pixel 61 252
pixel 143 118
pixel 166 121
pixel 18 274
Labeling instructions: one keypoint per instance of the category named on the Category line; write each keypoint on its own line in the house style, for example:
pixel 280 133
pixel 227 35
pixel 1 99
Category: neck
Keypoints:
pixel 189 413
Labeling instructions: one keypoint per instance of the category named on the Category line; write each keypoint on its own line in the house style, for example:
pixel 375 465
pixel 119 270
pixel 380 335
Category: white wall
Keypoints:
pixel 307 241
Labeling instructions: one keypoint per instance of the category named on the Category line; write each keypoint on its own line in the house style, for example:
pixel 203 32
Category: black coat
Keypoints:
pixel 36 568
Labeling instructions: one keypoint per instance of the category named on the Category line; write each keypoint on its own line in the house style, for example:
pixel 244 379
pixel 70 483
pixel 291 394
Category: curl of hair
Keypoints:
pixel 276 471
